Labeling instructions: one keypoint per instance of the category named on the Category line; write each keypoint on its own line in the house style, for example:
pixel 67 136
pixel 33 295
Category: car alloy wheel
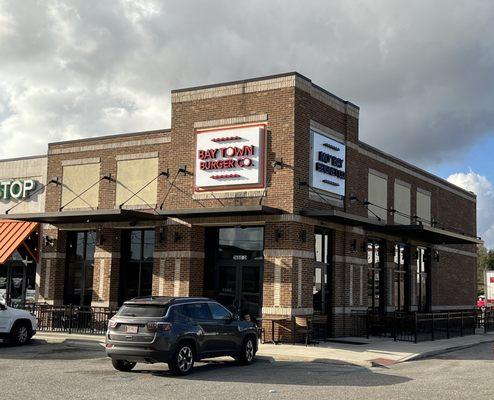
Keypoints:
pixel 249 351
pixel 185 359
pixel 22 334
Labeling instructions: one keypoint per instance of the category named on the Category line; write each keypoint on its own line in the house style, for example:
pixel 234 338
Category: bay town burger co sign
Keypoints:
pixel 230 158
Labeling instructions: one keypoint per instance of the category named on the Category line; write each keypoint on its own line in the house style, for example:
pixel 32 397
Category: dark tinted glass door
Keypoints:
pixel 234 265
pixel 79 268
pixel 136 273
pixel 322 272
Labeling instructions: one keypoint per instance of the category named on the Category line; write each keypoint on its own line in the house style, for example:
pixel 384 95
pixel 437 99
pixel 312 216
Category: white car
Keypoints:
pixel 16 326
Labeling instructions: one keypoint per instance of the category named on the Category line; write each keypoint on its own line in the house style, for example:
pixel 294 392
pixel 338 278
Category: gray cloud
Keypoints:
pixel 421 71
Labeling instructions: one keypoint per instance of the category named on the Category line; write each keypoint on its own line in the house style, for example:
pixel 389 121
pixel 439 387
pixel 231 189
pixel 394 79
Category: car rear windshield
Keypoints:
pixel 149 310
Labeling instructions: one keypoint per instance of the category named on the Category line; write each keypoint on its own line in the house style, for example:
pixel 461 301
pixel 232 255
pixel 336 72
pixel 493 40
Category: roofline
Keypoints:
pixel 239 81
pixel 111 136
pixel 263 78
pixel 421 170
pixel 23 158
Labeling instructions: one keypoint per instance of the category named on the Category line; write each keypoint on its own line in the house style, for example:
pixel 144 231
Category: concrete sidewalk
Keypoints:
pixel 359 351
pixel 370 352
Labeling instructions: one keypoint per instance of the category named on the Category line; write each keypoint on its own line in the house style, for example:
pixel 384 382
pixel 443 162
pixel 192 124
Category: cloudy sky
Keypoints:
pixel 421 71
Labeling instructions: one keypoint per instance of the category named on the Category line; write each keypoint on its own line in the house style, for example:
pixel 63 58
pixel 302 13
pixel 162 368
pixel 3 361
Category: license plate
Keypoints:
pixel 131 329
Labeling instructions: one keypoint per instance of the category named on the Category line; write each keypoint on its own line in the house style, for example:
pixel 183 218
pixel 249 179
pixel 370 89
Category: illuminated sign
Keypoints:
pixel 327 164
pixel 489 288
pixel 16 189
pixel 230 158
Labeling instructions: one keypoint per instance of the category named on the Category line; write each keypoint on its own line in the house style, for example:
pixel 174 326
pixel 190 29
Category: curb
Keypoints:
pixel 433 353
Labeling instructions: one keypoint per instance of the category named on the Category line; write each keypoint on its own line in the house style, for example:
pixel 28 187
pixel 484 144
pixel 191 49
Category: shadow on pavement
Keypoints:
pixel 285 373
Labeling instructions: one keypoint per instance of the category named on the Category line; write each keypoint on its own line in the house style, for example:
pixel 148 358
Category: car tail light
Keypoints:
pixel 159 326
pixel 112 323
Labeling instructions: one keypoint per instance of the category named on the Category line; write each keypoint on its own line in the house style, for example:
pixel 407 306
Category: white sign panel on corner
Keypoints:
pixel 327 164
pixel 230 158
pixel 489 288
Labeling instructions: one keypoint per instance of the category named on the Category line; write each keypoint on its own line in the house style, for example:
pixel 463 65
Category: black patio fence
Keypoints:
pixel 72 319
pixel 418 327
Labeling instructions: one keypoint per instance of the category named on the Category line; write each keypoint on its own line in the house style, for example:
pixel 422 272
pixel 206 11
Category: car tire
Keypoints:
pixel 20 333
pixel 248 351
pixel 182 361
pixel 123 365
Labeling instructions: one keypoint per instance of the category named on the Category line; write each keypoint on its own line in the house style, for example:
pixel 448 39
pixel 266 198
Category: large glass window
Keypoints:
pixel 136 274
pixel 79 268
pixel 374 281
pixel 401 262
pixel 422 283
pixel 241 243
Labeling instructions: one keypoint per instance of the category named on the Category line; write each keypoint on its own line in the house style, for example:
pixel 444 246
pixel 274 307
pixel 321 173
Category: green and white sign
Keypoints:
pixel 16 189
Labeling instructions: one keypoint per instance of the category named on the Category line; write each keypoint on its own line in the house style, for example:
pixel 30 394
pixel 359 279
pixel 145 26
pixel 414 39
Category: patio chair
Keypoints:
pixel 302 325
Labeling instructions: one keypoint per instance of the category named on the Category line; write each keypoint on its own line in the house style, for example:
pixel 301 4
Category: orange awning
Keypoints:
pixel 12 234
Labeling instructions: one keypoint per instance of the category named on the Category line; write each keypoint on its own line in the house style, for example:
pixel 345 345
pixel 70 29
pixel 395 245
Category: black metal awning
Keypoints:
pixel 429 234
pixel 343 217
pixel 424 233
pixel 221 211
pixel 85 216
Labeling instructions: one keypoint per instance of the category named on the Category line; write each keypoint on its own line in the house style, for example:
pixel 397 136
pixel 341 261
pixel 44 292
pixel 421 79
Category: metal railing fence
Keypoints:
pixel 71 319
pixel 418 327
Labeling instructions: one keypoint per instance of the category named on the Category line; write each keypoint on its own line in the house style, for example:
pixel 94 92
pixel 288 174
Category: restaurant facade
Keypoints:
pixel 22 182
pixel 261 196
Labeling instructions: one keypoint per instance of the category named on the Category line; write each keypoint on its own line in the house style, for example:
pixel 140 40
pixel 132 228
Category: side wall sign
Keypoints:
pixel 16 189
pixel 489 288
pixel 230 158
pixel 327 164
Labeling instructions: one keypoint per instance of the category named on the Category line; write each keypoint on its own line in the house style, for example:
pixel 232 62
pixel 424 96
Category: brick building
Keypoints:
pixel 22 182
pixel 262 196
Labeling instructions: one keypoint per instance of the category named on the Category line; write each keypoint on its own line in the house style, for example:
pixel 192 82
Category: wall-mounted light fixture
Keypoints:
pixel 436 256
pixel 48 241
pixel 302 236
pixel 101 237
pixel 353 245
pixel 161 235
pixel 183 170
pixel 177 237
pixel 278 163
pixel 278 234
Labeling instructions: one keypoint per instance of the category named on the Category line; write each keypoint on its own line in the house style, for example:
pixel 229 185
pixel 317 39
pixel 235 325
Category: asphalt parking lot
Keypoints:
pixel 79 370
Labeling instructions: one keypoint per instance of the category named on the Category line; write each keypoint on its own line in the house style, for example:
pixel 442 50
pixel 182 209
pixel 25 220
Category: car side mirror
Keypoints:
pixel 231 317
pixel 3 306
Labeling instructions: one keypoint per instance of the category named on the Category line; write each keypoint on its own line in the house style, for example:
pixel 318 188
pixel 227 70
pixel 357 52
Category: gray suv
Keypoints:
pixel 177 331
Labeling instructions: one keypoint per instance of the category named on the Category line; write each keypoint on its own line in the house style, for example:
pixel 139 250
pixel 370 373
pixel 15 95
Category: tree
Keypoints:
pixel 485 262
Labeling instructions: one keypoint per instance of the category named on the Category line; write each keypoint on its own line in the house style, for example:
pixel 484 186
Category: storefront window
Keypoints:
pixel 422 280
pixel 400 301
pixel 374 276
pixel 136 276
pixel 322 265
pixel 3 281
pixel 80 268
pixel 240 243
